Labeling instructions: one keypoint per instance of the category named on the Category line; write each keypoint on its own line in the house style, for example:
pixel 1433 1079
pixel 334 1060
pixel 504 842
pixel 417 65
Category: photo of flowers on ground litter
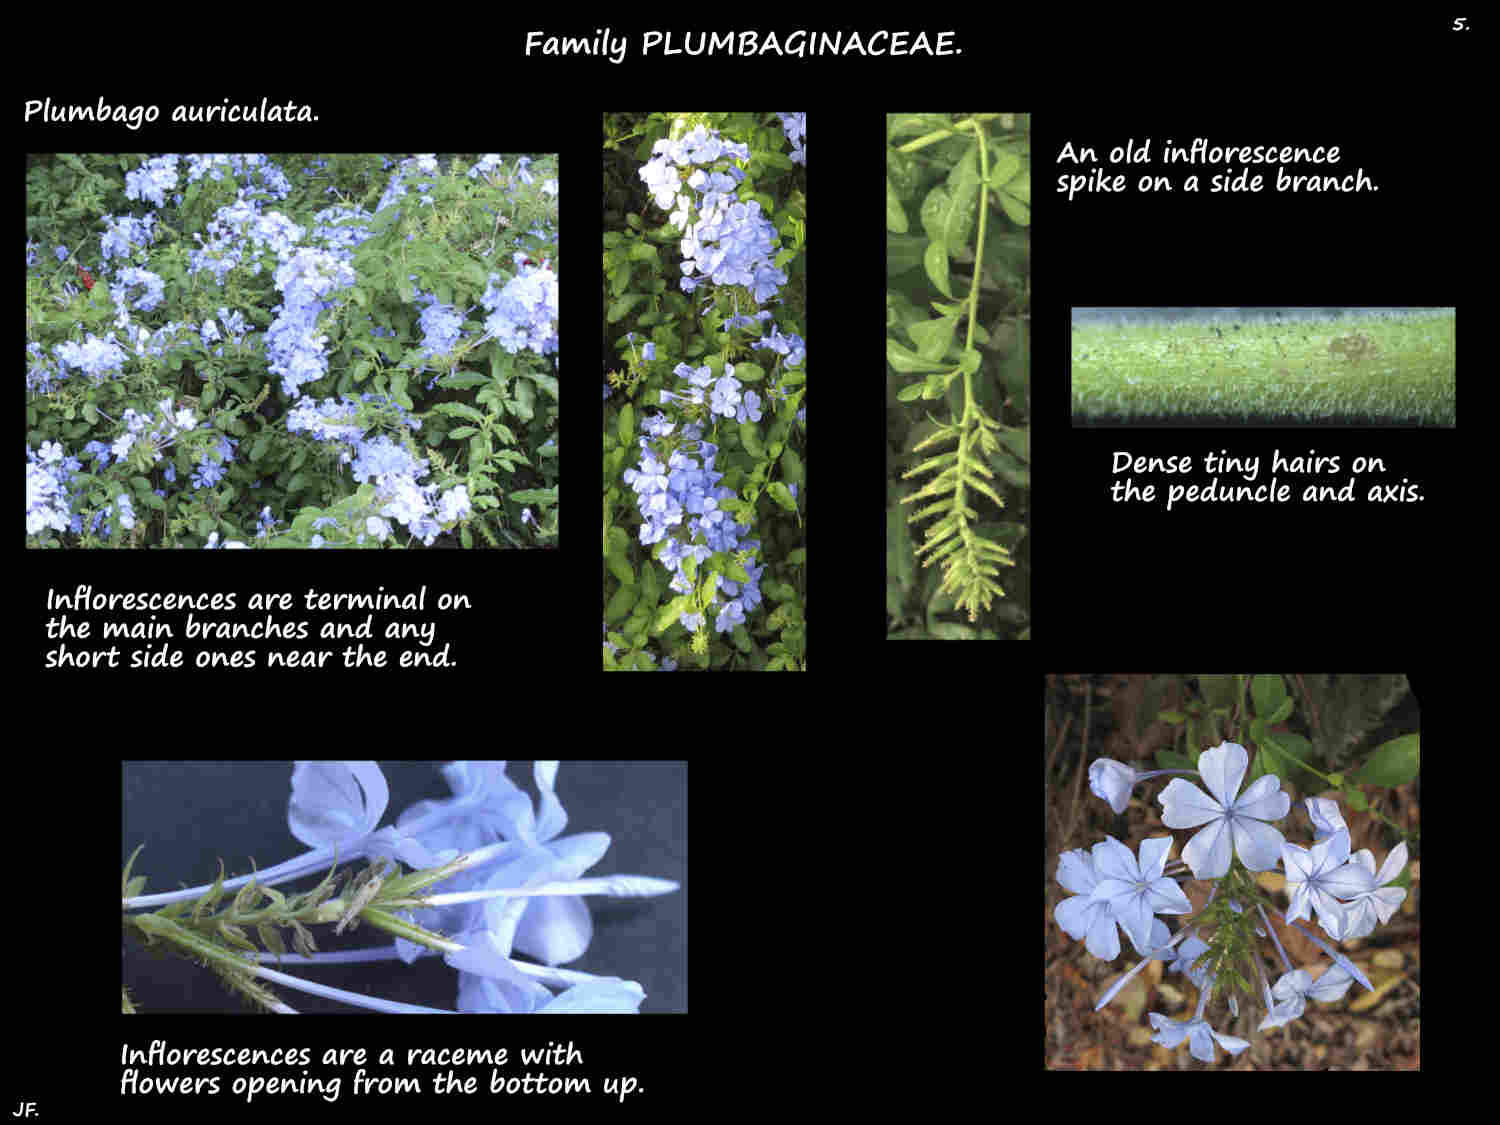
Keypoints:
pixel 1233 872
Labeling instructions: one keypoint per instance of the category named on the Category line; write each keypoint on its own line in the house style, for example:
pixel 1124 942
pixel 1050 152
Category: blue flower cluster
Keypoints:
pixel 50 471
pixel 524 313
pixel 724 240
pixel 397 474
pixel 683 492
pixel 293 343
pixel 48 474
pixel 794 125
pixel 728 242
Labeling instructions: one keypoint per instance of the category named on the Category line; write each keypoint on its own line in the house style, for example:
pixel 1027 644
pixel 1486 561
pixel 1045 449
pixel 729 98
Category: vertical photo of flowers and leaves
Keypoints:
pixel 705 381
pixel 958 362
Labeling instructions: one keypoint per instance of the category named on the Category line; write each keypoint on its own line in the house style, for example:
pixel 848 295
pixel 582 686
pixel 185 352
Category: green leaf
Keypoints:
pixel 906 361
pixel 626 425
pixel 1269 693
pixel 935 261
pixel 621 569
pixel 1268 760
pixel 1004 165
pixel 750 438
pixel 618 310
pixel 1018 212
pixel 398 389
pixel 621 604
pixel 1395 763
pixel 1172 760
pixel 895 214
pixel 1218 691
pixel 935 208
pixel 903 252
pixel 459 410
pixel 948 216
pixel 934 337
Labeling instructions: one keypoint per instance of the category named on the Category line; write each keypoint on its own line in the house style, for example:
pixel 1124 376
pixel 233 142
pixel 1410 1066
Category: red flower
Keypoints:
pixel 85 277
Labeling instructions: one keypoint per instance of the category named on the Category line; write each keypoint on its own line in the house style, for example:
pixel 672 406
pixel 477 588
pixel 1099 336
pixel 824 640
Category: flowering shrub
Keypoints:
pixel 491 883
pixel 1234 813
pixel 705 376
pixel 243 350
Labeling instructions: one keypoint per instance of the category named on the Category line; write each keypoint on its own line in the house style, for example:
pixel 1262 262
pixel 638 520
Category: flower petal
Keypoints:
pixel 1207 853
pixel 1075 871
pixel 1184 805
pixel 336 803
pixel 1264 800
pixel 1393 864
pixel 1166 897
pixel 1347 881
pixel 1231 1043
pixel 1073 916
pixel 1103 939
pixel 1257 844
pixel 1169 1033
pixel 1134 916
pixel 1223 768
pixel 1112 860
pixel 1154 857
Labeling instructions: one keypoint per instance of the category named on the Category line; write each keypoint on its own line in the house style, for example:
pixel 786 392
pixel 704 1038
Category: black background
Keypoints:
pixel 1205 567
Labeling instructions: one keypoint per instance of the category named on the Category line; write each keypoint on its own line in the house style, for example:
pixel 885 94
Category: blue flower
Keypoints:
pixel 1317 878
pixel 1137 890
pixel 1200 1037
pixel 1229 816
pixel 1113 887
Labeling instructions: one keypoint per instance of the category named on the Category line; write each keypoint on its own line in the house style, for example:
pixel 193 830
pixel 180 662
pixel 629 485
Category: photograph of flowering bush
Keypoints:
pixel 1232 872
pixel 292 350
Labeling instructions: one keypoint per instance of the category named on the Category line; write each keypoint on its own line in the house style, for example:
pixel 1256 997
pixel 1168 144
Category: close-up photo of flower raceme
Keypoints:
pixel 237 351
pixel 958 376
pixel 477 896
pixel 705 385
pixel 1257 841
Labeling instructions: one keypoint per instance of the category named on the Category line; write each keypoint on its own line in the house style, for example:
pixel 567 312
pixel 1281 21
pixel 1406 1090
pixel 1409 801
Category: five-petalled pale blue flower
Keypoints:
pixel 1090 918
pixel 1200 1037
pixel 1137 891
pixel 1381 901
pixel 1318 877
pixel 1228 815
